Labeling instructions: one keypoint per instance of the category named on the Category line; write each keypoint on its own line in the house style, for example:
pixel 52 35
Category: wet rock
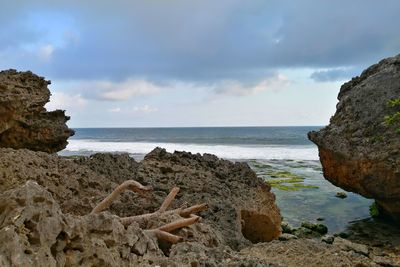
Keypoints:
pixel 24 122
pixel 328 239
pixel 287 228
pixel 341 195
pixel 360 148
pixel 316 227
pixel 342 234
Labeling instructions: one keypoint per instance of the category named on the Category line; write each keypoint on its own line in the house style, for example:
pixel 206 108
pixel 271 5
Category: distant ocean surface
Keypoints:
pixel 225 142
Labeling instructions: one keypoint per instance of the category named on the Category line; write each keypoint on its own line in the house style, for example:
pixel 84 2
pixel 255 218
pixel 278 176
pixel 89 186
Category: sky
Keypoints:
pixel 180 63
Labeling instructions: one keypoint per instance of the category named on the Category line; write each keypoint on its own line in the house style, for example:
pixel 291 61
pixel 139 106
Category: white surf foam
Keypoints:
pixel 223 151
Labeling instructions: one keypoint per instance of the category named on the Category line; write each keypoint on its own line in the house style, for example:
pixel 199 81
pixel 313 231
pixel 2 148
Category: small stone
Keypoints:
pixel 286 228
pixel 341 195
pixel 342 235
pixel 320 219
pixel 318 227
pixel 286 237
pixel 328 239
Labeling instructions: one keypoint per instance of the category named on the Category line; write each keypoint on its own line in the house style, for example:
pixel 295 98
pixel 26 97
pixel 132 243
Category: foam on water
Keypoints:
pixel 299 152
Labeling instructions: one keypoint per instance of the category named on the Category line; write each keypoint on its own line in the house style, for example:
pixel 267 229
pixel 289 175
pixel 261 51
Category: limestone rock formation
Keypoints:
pixel 241 205
pixel 46 200
pixel 360 148
pixel 24 122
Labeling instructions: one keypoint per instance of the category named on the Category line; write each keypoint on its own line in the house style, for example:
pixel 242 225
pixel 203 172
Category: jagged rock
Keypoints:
pixel 45 204
pixel 358 150
pixel 24 122
pixel 35 232
pixel 77 184
pixel 241 205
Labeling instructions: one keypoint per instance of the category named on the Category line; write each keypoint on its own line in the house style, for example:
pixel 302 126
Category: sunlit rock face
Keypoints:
pixel 24 122
pixel 360 148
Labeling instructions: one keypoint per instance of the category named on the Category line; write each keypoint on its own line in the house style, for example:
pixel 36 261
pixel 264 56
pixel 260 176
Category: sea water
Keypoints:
pixel 281 155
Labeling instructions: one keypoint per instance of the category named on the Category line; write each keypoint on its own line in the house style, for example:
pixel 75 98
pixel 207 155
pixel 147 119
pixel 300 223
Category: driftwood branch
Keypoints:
pixel 162 232
pixel 127 185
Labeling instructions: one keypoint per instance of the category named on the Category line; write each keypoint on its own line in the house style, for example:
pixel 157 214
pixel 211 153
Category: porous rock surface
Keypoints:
pixel 24 122
pixel 358 151
pixel 45 205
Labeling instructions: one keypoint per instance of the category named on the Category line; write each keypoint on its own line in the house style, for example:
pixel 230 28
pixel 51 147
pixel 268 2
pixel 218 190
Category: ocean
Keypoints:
pixel 283 156
pixel 226 142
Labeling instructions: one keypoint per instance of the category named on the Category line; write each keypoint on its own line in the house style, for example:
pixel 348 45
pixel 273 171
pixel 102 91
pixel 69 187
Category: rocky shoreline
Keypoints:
pixel 49 204
pixel 46 202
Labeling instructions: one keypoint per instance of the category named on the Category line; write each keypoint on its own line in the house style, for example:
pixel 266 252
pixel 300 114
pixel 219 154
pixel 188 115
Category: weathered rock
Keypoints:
pixel 35 232
pixel 241 205
pixel 328 239
pixel 348 245
pixel 306 252
pixel 358 150
pixel 77 184
pixel 286 237
pixel 316 227
pixel 24 122
pixel 341 195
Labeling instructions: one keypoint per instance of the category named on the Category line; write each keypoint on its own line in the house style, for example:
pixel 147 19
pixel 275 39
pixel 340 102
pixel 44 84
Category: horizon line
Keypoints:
pixel 157 127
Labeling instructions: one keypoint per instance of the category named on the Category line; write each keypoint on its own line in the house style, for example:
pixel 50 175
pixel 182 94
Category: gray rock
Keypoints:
pixel 286 237
pixel 286 228
pixel 348 245
pixel 328 239
pixel 316 227
pixel 24 122
pixel 358 150
pixel 341 195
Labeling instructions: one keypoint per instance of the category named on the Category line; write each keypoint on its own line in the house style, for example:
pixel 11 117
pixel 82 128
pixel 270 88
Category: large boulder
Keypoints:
pixel 360 148
pixel 46 200
pixel 24 122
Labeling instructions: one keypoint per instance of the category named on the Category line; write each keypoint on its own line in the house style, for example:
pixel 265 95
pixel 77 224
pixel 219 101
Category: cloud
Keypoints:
pixel 237 88
pixel 46 52
pixel 197 40
pixel 60 100
pixel 115 91
pixel 144 109
pixel 114 110
pixel 125 90
pixel 332 75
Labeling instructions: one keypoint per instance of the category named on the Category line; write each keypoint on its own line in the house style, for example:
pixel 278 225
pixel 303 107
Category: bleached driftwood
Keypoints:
pixel 163 232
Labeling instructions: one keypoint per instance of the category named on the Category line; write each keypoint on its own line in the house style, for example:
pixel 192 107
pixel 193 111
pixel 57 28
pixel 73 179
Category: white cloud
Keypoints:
pixel 236 88
pixel 144 109
pixel 45 52
pixel 124 90
pixel 60 100
pixel 114 110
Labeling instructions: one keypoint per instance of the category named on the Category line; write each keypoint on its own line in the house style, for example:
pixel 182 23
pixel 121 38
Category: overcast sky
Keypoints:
pixel 128 63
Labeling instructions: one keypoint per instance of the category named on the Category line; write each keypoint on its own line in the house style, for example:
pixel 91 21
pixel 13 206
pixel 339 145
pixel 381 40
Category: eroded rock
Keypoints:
pixel 24 122
pixel 241 205
pixel 358 150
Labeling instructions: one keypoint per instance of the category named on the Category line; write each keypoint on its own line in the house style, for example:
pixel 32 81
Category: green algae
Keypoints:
pixel 287 181
pixel 293 187
pixel 373 210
